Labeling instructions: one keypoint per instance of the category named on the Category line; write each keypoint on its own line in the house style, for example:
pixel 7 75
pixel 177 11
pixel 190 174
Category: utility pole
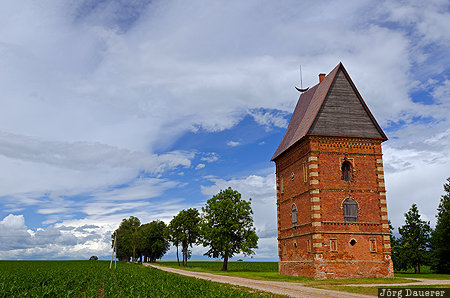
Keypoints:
pixel 114 252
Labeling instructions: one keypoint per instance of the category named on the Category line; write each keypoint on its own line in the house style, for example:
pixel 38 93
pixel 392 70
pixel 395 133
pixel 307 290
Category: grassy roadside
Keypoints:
pixel 269 271
pixel 426 272
pixel 424 275
pixel 373 291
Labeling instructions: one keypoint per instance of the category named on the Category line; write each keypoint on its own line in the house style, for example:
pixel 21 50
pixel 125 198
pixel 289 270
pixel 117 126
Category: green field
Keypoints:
pixel 95 279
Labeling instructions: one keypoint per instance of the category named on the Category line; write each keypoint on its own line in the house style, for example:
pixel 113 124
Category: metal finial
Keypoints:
pixel 301 82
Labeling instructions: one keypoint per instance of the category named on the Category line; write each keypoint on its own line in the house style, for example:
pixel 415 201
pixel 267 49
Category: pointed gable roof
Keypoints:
pixel 333 107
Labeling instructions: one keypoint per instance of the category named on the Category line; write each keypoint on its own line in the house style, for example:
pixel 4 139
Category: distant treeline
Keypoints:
pixel 420 245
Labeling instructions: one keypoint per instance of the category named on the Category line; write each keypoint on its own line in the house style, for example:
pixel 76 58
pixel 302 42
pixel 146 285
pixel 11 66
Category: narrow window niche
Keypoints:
pixel 350 207
pixel 305 172
pixel 294 215
pixel 281 184
pixel 346 171
pixel 308 245
pixel 292 176
pixel 333 244
pixel 373 244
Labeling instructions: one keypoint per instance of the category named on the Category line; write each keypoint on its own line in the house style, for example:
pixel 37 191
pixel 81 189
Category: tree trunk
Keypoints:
pixel 418 265
pixel 178 258
pixel 134 253
pixel 185 249
pixel 225 263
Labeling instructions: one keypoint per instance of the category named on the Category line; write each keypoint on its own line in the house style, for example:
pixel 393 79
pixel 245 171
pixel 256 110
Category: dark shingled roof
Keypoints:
pixel 311 105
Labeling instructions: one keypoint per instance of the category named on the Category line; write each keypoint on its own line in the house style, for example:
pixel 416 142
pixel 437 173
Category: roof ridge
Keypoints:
pixel 308 107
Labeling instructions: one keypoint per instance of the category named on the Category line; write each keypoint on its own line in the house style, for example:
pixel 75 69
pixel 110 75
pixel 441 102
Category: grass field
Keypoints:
pixel 95 279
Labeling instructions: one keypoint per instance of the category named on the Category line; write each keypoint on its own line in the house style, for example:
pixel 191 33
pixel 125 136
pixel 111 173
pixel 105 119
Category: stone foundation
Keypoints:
pixel 323 269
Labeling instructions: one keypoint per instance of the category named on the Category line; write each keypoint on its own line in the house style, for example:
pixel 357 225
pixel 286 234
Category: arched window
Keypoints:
pixel 346 171
pixel 294 215
pixel 350 210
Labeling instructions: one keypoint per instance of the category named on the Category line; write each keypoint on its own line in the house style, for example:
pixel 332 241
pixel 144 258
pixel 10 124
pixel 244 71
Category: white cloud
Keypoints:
pixel 233 143
pixel 416 166
pixel 442 94
pixel 86 156
pixel 19 242
pixel 200 166
pixel 268 119
pixel 210 157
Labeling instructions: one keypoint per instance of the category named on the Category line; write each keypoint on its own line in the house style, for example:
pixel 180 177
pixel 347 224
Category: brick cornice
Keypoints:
pixel 332 232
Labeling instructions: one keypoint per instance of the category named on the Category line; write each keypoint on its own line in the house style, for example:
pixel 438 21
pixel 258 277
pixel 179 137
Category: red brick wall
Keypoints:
pixel 318 192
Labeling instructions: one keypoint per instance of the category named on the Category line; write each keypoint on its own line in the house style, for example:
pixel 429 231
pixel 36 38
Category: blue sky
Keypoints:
pixel 118 108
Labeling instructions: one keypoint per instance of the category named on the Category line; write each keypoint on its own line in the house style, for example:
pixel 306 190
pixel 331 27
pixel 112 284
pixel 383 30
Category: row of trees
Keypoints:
pixel 144 241
pixel 418 244
pixel 225 226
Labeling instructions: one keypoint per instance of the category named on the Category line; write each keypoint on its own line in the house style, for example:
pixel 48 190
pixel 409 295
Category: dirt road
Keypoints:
pixel 283 288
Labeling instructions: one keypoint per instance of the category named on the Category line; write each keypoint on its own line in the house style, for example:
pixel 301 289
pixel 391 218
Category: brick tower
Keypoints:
pixel 331 198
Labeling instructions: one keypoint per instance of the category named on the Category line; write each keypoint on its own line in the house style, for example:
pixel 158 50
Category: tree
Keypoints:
pixel 227 226
pixel 398 258
pixel 415 237
pixel 441 234
pixel 127 238
pixel 153 243
pixel 186 231
pixel 173 233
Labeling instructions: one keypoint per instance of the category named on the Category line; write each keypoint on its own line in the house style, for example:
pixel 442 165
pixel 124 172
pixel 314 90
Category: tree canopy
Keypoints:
pixel 148 240
pixel 441 234
pixel 227 227
pixel 127 238
pixel 415 239
pixel 184 229
pixel 153 242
